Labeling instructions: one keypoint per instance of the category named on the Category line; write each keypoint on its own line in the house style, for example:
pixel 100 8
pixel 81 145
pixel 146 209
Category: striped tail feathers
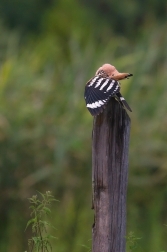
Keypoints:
pixel 123 102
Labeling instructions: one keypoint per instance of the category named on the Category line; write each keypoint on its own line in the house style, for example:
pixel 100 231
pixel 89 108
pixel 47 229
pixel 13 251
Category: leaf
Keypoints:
pixel 40 206
pixel 52 237
pixel 47 210
pixel 36 240
pixel 31 207
pixel 45 223
pixel 43 195
pixel 29 222
pixel 55 200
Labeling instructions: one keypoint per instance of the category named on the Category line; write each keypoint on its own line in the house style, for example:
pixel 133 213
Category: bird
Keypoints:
pixel 104 85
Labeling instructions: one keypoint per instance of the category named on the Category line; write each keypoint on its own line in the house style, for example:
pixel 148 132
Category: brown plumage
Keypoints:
pixel 112 72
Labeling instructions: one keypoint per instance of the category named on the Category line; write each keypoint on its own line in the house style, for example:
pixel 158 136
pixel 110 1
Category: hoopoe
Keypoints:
pixel 102 86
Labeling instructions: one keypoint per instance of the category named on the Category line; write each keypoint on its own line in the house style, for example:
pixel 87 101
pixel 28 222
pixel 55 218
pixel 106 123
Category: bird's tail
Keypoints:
pixel 123 102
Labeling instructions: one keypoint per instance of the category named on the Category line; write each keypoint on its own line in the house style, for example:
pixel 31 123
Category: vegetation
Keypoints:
pixel 45 129
pixel 132 242
pixel 40 240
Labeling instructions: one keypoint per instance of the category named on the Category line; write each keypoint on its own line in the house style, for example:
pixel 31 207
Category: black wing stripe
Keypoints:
pixel 92 103
pixel 99 82
pixel 93 81
pixel 98 102
pixel 95 96
pixel 94 100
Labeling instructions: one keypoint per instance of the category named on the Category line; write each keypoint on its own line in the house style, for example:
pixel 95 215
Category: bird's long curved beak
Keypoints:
pixel 121 76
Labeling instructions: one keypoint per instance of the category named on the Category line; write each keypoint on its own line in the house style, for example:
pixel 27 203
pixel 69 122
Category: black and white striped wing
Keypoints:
pixel 98 92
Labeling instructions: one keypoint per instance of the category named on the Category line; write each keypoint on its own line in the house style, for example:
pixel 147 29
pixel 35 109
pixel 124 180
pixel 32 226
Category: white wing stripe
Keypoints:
pixel 99 82
pixel 101 103
pixel 91 105
pixel 95 104
pixel 104 84
pixel 111 85
pixel 93 81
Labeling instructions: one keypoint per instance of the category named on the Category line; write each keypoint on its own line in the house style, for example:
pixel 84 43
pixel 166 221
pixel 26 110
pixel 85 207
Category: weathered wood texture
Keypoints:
pixel 111 131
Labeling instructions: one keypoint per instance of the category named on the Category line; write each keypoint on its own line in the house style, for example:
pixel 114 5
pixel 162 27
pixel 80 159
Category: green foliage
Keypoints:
pixel 45 129
pixel 40 208
pixel 132 242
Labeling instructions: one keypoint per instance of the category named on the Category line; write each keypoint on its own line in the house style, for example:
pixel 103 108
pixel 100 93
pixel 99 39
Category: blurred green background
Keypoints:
pixel 48 50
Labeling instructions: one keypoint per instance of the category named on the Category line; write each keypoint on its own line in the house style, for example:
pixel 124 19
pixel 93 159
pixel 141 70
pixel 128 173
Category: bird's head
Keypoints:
pixel 110 71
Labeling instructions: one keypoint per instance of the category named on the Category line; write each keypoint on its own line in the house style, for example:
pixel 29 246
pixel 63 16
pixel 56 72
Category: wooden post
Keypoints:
pixel 111 131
